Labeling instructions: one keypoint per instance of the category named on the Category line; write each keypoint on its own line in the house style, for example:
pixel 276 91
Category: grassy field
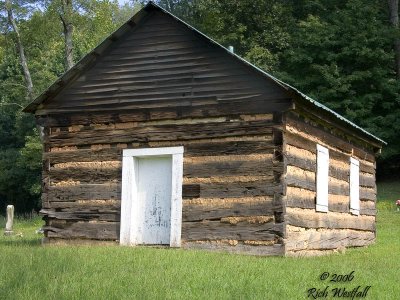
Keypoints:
pixel 30 271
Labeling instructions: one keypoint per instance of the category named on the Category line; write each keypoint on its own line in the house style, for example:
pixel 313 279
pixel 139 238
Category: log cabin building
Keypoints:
pixel 161 136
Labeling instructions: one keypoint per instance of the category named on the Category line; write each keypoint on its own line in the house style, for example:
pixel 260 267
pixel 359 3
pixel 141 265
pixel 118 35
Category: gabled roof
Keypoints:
pixel 92 56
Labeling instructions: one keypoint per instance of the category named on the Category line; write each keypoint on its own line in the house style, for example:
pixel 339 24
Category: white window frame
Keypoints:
pixel 322 179
pixel 129 190
pixel 354 183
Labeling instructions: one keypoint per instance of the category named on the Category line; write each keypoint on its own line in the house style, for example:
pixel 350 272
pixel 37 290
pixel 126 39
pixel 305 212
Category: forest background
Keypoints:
pixel 343 53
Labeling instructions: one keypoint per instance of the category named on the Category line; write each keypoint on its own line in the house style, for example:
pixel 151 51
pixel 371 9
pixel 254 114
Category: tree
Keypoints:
pixel 394 21
pixel 344 67
pixel 8 5
pixel 85 23
pixel 66 19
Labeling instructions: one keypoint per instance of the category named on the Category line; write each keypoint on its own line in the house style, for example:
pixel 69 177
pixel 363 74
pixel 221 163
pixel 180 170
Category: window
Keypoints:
pixel 354 186
pixel 322 178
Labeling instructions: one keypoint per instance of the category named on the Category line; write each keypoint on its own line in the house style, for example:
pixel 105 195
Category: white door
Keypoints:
pixel 151 196
pixel 153 205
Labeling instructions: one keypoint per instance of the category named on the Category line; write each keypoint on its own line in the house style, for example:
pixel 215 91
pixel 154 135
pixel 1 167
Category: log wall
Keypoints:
pixel 230 187
pixel 308 231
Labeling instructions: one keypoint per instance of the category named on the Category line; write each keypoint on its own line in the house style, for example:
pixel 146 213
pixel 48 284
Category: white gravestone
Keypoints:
pixel 10 220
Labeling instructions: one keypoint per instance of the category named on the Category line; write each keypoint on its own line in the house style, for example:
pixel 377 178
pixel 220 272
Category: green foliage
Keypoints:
pixel 30 160
pixel 341 54
pixel 103 20
pixel 20 175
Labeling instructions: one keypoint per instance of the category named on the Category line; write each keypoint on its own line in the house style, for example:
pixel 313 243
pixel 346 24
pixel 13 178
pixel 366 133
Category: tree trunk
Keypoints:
pixel 394 21
pixel 21 51
pixel 65 16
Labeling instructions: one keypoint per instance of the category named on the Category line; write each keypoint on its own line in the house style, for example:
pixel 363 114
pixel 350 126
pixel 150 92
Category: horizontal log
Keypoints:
pixel 312 239
pixel 309 164
pixel 230 190
pixel 342 204
pixel 300 178
pixel 230 179
pixel 84 230
pixel 307 181
pixel 367 181
pixel 156 113
pixel 161 133
pixel 215 147
pixel 102 205
pixel 299 197
pixel 367 194
pixel 83 155
pixel 309 218
pixel 311 146
pixel 216 230
pixel 168 122
pixel 305 199
pixel 209 147
pixel 84 192
pixel 111 107
pixel 367 209
pixel 329 138
pixel 243 168
pixel 276 249
pixel 82 215
pixel 211 209
pixel 112 191
pixel 85 175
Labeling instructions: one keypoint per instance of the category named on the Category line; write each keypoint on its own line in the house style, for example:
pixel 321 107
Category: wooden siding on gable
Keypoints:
pixel 165 63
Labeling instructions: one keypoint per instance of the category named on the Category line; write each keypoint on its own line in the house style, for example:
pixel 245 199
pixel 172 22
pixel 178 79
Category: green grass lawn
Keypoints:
pixel 30 271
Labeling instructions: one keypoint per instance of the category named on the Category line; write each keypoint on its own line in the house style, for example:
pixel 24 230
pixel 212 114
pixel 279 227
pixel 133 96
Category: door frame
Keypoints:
pixel 128 234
